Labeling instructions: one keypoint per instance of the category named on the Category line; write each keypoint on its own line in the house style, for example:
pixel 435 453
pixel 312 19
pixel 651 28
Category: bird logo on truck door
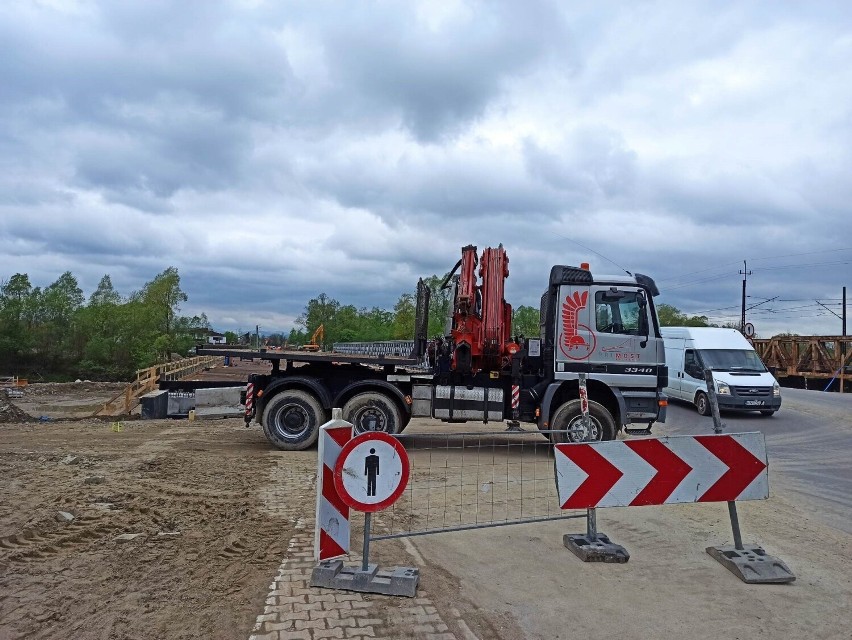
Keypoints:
pixel 571 343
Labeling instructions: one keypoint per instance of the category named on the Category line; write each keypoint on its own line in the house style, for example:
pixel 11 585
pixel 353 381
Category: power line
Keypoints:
pixel 786 255
pixel 795 266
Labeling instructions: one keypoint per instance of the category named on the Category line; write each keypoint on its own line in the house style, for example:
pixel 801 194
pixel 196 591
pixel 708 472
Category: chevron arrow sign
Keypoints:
pixel 622 473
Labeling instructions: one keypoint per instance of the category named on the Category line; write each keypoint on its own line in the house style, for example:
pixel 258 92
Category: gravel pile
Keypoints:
pixel 10 413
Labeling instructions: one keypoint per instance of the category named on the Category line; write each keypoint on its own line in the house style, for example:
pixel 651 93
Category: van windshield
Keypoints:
pixel 731 360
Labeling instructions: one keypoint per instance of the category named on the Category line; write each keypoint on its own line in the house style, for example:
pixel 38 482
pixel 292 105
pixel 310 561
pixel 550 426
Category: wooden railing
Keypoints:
pixel 821 357
pixel 146 381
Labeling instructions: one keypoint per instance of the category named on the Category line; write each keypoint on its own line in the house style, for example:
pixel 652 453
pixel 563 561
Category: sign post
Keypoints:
pixel 594 546
pixel 370 474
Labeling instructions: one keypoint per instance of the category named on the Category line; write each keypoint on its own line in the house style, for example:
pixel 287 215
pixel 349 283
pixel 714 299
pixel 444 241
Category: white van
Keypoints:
pixel 742 381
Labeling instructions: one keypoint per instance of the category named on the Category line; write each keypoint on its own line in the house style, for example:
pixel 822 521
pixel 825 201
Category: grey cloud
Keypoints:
pixel 439 81
pixel 592 162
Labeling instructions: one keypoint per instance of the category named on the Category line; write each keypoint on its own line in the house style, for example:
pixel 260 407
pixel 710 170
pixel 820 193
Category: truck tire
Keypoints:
pixel 702 404
pixel 373 411
pixel 568 421
pixel 291 420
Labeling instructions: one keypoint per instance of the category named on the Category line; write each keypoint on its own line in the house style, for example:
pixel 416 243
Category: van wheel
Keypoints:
pixel 767 412
pixel 568 421
pixel 291 420
pixel 373 412
pixel 702 404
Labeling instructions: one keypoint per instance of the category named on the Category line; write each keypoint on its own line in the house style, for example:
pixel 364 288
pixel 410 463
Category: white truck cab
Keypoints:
pixel 742 381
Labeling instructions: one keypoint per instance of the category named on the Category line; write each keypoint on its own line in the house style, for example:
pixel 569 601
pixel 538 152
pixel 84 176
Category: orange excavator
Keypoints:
pixel 316 338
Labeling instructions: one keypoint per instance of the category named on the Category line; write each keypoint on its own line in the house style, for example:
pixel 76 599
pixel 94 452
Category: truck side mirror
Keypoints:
pixel 644 327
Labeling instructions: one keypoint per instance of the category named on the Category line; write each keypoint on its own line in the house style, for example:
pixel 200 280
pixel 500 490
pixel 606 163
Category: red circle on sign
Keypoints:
pixel 341 463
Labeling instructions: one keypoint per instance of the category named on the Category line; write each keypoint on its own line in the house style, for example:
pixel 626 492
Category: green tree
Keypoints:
pixel 321 310
pixel 439 305
pixel 105 294
pixel 525 321
pixel 670 316
pixel 16 318
pixel 163 296
pixel 403 318
pixel 58 306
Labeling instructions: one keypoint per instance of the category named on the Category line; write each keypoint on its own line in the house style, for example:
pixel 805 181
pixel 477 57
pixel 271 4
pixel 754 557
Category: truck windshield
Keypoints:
pixel 731 360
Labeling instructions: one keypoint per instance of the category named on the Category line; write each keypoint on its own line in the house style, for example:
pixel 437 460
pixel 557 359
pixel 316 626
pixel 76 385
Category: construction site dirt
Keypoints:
pixel 176 529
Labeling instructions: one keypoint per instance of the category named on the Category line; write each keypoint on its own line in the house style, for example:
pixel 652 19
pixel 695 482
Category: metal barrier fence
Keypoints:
pixel 402 348
pixel 388 348
pixel 473 480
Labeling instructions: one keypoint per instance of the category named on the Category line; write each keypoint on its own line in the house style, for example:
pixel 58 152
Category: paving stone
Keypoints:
pixel 422 619
pixel 364 622
pixel 424 628
pixel 310 624
pixel 283 609
pixel 339 622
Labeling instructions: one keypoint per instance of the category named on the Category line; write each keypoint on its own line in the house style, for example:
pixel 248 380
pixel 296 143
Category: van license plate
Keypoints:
pixel 754 403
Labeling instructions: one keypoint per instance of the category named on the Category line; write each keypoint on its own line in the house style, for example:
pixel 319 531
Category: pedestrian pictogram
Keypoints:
pixel 371 472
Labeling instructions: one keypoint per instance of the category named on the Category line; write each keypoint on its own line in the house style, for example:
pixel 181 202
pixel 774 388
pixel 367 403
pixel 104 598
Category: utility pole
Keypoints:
pixel 745 273
pixel 257 335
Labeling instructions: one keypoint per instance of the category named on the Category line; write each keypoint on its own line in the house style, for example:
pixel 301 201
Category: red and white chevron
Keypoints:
pixel 621 473
pixel 331 537
pixel 516 395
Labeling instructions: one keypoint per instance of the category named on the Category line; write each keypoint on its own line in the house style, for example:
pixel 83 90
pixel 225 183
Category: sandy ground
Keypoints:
pixel 197 485
pixel 212 538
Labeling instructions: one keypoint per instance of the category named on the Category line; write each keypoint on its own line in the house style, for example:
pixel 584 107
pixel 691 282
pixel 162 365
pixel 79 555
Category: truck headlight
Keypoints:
pixel 776 390
pixel 723 389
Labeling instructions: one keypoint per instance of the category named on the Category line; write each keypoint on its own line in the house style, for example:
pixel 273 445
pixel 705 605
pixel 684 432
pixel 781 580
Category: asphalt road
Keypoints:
pixel 809 444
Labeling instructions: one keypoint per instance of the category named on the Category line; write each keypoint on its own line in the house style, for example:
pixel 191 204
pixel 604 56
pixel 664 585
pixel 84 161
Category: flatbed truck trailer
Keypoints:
pixel 603 326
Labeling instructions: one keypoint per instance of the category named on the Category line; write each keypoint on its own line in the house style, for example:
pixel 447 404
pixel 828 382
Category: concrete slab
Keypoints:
pixel 215 413
pixel 752 564
pixel 399 581
pixel 217 397
pixel 602 549
pixel 155 405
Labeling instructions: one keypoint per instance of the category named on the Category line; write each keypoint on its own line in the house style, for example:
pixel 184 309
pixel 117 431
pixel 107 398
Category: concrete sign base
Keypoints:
pixel 752 564
pixel 602 549
pixel 399 581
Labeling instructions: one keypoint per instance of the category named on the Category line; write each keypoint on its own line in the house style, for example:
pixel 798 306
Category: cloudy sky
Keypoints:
pixel 275 150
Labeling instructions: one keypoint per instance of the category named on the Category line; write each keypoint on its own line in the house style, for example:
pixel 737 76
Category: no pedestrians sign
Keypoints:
pixel 371 471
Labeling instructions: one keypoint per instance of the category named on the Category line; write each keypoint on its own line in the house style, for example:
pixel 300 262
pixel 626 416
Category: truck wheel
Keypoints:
pixel 568 420
pixel 291 420
pixel 373 412
pixel 702 404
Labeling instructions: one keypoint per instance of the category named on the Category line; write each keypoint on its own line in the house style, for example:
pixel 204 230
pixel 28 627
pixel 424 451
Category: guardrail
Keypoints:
pixel 146 381
pixel 809 357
